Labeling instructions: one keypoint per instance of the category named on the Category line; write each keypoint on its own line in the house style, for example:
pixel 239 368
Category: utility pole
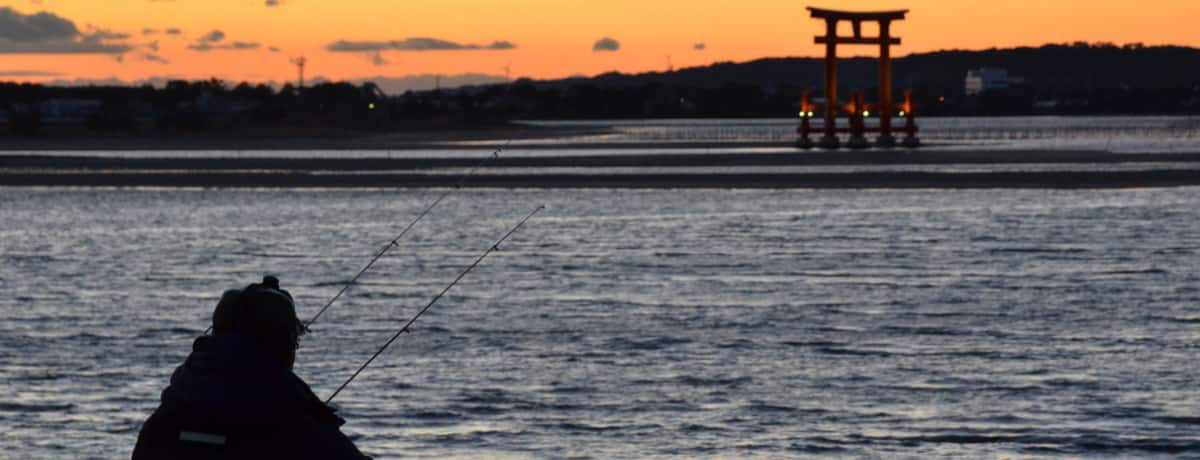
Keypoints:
pixel 299 62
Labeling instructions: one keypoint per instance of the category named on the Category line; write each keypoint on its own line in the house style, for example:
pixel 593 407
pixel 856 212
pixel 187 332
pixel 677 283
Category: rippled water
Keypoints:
pixel 634 324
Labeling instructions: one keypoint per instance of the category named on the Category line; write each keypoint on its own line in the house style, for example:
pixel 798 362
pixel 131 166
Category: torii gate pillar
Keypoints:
pixel 831 39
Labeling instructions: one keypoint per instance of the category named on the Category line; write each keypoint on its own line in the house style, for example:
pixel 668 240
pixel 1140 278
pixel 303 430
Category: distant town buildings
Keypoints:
pixel 68 110
pixel 988 79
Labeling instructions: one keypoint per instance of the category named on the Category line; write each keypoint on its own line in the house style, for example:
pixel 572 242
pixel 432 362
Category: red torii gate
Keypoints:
pixel 858 107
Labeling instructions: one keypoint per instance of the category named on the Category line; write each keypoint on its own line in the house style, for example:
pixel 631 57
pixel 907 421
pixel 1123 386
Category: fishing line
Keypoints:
pixel 493 248
pixel 395 241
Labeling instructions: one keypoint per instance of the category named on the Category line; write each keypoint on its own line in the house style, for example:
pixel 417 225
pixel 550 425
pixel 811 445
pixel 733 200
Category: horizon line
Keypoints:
pixel 57 79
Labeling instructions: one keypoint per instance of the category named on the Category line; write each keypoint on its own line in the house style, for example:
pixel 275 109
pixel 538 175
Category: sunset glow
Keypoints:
pixel 254 40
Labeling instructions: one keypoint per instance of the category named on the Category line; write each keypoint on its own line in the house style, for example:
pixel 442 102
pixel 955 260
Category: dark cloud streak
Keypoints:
pixel 414 44
pixel 105 34
pixel 38 27
pixel 377 59
pixel 606 44
pixel 47 33
pixel 213 41
pixel 203 47
pixel 213 37
pixel 29 73
pixel 151 57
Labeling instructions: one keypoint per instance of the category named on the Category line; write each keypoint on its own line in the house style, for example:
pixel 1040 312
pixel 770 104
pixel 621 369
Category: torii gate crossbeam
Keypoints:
pixel 831 40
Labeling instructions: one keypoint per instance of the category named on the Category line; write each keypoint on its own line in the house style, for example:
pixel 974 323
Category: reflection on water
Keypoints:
pixel 1107 133
pixel 633 324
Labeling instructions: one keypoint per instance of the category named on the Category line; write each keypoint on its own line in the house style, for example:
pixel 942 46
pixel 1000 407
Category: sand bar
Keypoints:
pixel 629 169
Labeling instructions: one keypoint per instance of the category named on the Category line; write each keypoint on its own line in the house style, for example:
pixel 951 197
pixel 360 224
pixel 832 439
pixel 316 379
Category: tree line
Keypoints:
pixel 1070 79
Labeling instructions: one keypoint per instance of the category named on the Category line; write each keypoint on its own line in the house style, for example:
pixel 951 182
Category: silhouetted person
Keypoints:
pixel 236 396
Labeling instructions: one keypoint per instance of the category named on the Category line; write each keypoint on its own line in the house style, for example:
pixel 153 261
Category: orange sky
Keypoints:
pixel 553 38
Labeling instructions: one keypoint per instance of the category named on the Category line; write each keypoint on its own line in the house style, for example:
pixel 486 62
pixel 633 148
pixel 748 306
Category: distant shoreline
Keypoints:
pixel 636 156
pixel 394 140
pixel 869 180
pixel 816 170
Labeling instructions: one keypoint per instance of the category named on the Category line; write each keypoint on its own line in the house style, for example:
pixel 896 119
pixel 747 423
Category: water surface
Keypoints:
pixel 633 324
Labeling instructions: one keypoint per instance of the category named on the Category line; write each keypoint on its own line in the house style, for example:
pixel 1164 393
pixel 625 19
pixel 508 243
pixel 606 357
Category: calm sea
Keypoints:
pixel 633 324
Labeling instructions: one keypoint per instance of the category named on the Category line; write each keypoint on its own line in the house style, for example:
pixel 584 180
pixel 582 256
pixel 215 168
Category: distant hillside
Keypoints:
pixel 1052 67
pixel 1081 77
pixel 1053 79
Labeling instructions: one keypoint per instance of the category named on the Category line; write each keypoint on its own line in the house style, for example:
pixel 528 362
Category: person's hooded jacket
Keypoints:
pixel 230 400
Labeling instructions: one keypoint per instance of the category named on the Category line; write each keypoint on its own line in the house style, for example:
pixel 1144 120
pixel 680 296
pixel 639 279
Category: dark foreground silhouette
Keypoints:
pixel 236 396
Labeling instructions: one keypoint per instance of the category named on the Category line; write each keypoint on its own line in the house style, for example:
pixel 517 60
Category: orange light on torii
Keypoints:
pixel 857 108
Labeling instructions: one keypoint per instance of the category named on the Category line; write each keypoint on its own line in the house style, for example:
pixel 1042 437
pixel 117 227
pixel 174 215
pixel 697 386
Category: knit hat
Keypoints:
pixel 263 312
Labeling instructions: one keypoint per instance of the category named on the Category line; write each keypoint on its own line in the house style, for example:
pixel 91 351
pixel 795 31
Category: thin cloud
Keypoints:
pixel 104 34
pixel 213 37
pixel 398 85
pixel 213 41
pixel 606 44
pixel 83 45
pixel 174 31
pixel 111 81
pixel 414 44
pixel 29 73
pixel 47 33
pixel 151 57
pixel 156 81
pixel 377 59
pixel 390 85
pixel 203 47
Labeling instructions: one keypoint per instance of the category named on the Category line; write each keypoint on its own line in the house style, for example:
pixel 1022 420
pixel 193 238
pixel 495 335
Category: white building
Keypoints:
pixel 986 79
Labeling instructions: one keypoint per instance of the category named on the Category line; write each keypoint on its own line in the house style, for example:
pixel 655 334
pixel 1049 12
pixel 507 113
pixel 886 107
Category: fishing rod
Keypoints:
pixel 493 248
pixel 395 241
